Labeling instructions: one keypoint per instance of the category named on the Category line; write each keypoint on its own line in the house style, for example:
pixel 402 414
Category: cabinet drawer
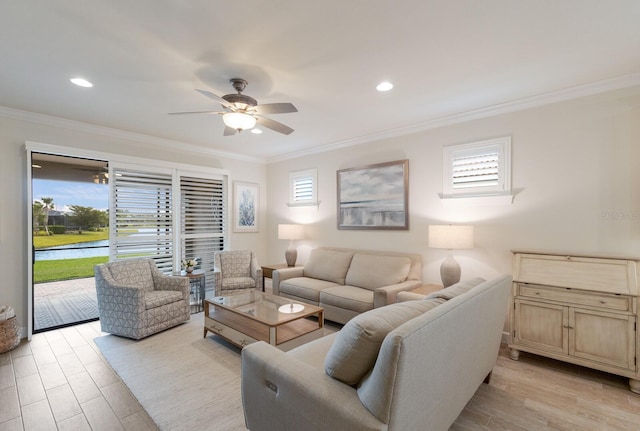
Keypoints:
pixel 576 297
pixel 232 335
pixel 603 275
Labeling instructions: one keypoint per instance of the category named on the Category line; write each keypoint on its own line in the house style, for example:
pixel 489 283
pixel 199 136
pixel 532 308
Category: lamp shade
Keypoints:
pixel 290 231
pixel 239 120
pixel 450 237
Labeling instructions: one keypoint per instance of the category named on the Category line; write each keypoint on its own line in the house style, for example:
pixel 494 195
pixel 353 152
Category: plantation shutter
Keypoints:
pixel 202 221
pixel 143 216
pixel 479 168
pixel 302 187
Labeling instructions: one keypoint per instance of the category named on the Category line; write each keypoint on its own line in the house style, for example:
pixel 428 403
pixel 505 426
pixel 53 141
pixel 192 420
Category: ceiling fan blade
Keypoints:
pixel 228 131
pixel 211 95
pixel 274 125
pixel 275 108
pixel 196 112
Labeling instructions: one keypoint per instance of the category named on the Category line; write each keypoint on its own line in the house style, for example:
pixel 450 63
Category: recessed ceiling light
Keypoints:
pixel 256 131
pixel 81 82
pixel 384 86
pixel 36 166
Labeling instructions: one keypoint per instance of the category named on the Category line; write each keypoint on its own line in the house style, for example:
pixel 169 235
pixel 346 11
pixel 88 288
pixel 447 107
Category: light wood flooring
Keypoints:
pixel 61 381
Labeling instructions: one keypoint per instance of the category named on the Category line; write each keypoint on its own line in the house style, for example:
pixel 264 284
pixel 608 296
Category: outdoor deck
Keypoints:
pixel 64 302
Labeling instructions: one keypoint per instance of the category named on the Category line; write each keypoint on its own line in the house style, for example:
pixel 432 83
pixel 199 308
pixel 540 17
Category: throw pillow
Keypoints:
pixel 371 271
pixel 355 348
pixel 330 265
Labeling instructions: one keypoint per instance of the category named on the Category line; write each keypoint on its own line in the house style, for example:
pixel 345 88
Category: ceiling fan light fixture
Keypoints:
pixel 239 120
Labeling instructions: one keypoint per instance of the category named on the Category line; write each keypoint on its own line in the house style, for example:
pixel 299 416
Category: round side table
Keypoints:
pixel 196 287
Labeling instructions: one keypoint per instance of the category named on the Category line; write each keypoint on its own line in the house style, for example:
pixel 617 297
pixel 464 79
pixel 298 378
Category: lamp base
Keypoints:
pixel 291 255
pixel 450 271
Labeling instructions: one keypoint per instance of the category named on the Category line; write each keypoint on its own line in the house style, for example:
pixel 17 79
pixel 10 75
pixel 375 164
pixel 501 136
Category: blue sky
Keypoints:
pixel 65 193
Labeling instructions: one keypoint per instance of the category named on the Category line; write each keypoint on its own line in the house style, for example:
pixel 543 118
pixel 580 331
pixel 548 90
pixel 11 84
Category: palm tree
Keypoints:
pixel 47 205
pixel 37 216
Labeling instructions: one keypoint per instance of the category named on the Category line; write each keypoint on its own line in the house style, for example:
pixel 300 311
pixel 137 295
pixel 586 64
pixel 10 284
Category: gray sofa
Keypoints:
pixel 347 282
pixel 407 366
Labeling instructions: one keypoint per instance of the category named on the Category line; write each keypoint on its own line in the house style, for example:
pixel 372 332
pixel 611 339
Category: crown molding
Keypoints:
pixel 47 120
pixel 575 92
pixel 488 111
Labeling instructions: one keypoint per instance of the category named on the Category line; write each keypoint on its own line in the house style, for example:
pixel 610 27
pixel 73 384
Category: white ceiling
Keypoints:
pixel 445 57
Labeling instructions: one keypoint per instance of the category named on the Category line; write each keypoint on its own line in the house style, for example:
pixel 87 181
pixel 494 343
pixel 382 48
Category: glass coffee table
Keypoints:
pixel 253 316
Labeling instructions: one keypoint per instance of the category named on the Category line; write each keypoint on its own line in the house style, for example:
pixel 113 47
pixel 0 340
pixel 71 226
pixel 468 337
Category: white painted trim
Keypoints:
pixel 487 111
pixel 30 256
pixel 109 132
pixel 120 159
pixel 475 201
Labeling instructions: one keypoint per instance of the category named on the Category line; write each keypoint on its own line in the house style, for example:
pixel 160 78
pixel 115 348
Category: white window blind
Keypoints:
pixel 143 216
pixel 303 187
pixel 477 169
pixel 202 221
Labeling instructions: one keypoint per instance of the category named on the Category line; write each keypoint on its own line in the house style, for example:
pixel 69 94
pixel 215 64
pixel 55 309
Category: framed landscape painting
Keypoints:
pixel 245 206
pixel 374 196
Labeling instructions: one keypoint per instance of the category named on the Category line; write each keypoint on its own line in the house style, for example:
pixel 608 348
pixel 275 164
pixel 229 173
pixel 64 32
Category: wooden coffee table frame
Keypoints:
pixel 240 328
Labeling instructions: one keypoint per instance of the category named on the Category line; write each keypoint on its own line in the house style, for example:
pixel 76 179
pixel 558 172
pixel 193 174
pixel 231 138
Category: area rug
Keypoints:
pixel 182 380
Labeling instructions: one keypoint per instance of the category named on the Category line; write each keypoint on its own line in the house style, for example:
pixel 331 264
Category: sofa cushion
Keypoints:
pixel 158 298
pixel 456 289
pixel 328 265
pixel 355 349
pixel 348 297
pixel 304 287
pixel 372 271
pixel 232 283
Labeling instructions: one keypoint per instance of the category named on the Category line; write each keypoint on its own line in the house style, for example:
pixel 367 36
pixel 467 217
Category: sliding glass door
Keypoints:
pixel 69 235
pixel 161 210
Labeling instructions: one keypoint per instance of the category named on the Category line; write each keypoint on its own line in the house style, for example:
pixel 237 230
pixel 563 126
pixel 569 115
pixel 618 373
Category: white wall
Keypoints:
pixel 14 208
pixel 574 171
pixel 575 175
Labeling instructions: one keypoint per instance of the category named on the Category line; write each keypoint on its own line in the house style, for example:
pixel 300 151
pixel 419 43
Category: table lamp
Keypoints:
pixel 291 232
pixel 452 238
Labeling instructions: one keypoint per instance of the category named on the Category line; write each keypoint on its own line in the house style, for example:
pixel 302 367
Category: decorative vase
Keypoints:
pixel 189 269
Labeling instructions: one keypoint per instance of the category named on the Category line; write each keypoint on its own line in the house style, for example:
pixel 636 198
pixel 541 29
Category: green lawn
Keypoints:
pixel 65 269
pixel 68 238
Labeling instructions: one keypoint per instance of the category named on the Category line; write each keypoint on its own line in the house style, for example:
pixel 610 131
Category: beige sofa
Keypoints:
pixel 407 366
pixel 347 282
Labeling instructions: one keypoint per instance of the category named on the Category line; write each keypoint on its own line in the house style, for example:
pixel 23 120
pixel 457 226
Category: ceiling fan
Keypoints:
pixel 242 112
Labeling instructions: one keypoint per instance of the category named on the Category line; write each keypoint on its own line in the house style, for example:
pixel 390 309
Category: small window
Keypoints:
pixel 303 188
pixel 477 169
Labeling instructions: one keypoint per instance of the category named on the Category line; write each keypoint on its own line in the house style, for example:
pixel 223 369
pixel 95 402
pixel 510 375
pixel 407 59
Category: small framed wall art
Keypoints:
pixel 246 204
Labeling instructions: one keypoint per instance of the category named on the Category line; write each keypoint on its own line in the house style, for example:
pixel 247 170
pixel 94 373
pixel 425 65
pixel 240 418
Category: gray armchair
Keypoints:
pixel 136 300
pixel 236 270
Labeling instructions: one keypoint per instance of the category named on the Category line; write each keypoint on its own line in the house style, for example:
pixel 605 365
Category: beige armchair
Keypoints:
pixel 236 270
pixel 136 300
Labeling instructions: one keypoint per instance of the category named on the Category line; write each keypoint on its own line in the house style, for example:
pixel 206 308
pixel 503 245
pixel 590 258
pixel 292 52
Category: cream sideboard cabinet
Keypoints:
pixel 577 308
